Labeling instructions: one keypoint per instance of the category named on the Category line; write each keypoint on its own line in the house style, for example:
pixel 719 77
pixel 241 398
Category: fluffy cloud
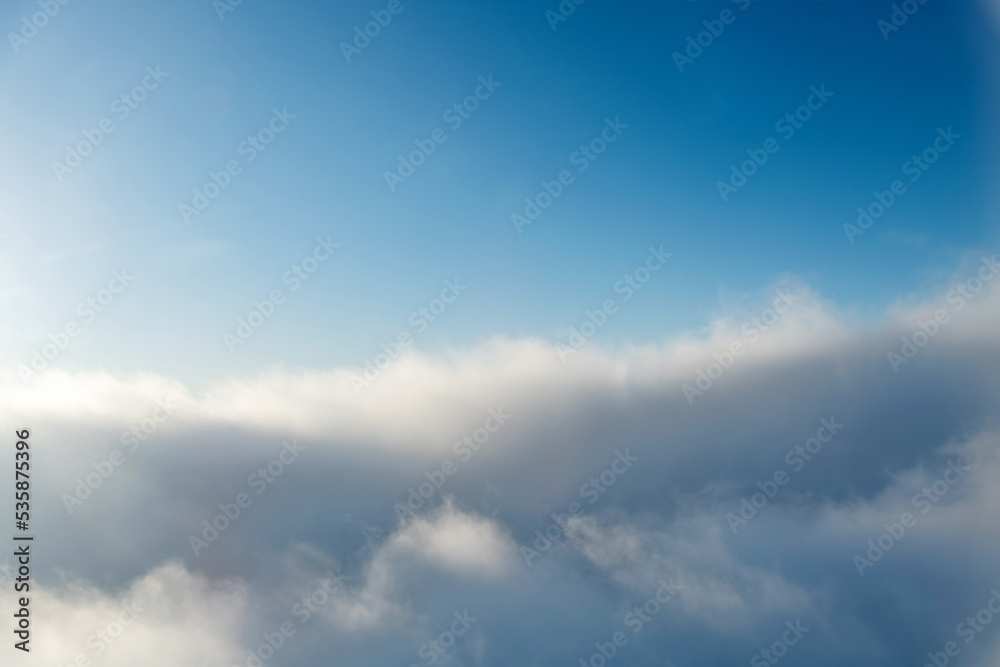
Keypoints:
pixel 699 458
pixel 167 617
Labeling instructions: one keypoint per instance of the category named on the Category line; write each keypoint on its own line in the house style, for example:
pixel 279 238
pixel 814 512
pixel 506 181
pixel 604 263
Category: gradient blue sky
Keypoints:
pixel 117 517
pixel 324 175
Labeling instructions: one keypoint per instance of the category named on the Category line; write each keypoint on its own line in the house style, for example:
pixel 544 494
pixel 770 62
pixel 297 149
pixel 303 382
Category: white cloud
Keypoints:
pixel 167 618
pixel 715 587
pixel 449 540
pixel 664 519
pixel 424 403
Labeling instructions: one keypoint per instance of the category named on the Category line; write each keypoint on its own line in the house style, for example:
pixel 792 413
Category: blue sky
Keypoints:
pixel 325 174
pixel 158 406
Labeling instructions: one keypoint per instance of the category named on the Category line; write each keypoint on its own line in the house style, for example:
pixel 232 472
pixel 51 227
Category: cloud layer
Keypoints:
pixel 514 504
